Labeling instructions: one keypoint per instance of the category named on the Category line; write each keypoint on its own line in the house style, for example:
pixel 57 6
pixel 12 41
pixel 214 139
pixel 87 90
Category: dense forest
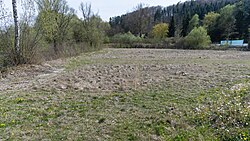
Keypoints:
pixel 223 19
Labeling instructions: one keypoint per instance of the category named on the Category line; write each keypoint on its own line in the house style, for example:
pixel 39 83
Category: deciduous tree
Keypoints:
pixel 227 21
pixel 91 28
pixel 197 38
pixel 160 31
pixel 16 41
pixel 54 18
pixel 210 22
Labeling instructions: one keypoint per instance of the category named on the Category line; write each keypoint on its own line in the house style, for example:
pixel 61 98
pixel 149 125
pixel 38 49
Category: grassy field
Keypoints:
pixel 132 94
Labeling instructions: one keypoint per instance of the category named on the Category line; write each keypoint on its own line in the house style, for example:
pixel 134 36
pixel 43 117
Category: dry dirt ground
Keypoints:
pixel 130 69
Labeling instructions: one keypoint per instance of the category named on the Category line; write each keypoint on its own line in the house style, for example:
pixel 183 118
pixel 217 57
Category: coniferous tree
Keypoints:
pixel 185 23
pixel 240 24
pixel 246 14
pixel 172 27
pixel 182 13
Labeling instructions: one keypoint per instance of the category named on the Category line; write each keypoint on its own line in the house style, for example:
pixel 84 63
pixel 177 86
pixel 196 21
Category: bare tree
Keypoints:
pixel 16 42
pixel 140 18
pixel 91 25
pixel 29 35
pixel 86 10
pixel 5 36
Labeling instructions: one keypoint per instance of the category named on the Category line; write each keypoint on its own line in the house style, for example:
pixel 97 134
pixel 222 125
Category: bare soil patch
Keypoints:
pixel 132 69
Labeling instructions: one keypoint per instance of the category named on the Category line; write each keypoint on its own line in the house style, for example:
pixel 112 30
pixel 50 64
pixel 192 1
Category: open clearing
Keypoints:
pixel 129 94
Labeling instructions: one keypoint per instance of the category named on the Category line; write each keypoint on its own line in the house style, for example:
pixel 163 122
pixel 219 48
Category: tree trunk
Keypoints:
pixel 16 42
pixel 248 47
pixel 249 37
pixel 56 50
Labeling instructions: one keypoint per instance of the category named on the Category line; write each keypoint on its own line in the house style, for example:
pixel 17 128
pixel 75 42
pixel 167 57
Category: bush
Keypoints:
pixel 178 43
pixel 127 39
pixel 197 39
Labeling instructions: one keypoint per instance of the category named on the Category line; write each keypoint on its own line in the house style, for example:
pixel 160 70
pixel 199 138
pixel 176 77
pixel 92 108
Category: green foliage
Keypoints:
pixel 242 18
pixel 181 11
pixel 91 29
pixel 53 20
pixel 47 22
pixel 197 39
pixel 210 20
pixel 227 21
pixel 160 31
pixel 126 38
pixel 194 22
pixel 92 32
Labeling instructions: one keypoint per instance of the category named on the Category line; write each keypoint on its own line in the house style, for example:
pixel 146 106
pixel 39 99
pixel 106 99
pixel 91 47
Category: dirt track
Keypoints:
pixel 130 69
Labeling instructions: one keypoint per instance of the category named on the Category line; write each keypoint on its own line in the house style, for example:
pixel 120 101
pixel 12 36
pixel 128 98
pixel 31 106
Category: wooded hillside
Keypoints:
pixel 178 17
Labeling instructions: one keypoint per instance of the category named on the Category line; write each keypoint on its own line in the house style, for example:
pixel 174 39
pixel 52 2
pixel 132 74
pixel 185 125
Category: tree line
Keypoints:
pixel 49 29
pixel 56 30
pixel 223 19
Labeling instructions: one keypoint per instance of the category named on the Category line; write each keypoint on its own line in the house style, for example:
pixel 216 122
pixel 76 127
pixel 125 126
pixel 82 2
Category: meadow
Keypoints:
pixel 129 94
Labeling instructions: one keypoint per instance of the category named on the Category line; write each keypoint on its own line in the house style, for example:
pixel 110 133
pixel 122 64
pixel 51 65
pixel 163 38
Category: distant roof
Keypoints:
pixel 232 42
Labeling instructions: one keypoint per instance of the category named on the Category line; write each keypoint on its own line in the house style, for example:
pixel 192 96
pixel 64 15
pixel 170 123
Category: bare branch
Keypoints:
pixel 86 10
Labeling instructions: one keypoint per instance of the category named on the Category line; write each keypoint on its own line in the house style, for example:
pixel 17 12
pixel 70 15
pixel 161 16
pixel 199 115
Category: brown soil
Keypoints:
pixel 131 69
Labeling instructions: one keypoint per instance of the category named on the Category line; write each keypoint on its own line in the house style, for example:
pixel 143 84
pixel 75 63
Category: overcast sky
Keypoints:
pixel 111 8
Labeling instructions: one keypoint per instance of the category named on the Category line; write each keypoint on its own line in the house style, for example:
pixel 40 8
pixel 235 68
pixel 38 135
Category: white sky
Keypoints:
pixel 111 8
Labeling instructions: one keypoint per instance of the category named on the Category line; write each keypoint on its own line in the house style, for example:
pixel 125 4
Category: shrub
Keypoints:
pixel 179 43
pixel 197 39
pixel 127 39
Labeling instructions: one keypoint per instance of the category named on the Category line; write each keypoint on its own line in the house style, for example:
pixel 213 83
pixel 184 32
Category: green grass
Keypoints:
pixel 139 115
pixel 84 59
